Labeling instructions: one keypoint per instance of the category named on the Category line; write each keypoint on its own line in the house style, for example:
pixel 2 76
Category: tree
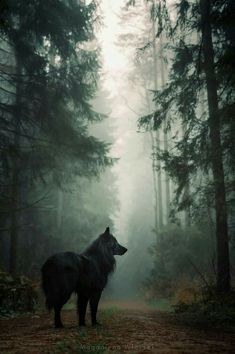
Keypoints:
pixel 166 134
pixel 148 74
pixel 157 137
pixel 203 53
pixel 223 267
pixel 48 77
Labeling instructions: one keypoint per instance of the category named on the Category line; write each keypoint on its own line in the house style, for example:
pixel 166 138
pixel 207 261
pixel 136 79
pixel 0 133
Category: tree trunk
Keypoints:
pixel 165 141
pixel 159 184
pixel 158 164
pixel 15 179
pixel 186 196
pixel 154 184
pixel 153 148
pixel 223 264
pixel 14 219
pixel 59 211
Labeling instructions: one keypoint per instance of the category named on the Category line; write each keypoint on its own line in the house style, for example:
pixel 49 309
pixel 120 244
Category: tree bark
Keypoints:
pixel 15 179
pixel 159 184
pixel 59 211
pixel 158 164
pixel 186 196
pixel 154 185
pixel 223 264
pixel 165 141
pixel 153 148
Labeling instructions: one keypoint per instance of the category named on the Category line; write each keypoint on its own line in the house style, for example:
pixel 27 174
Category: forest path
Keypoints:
pixel 129 327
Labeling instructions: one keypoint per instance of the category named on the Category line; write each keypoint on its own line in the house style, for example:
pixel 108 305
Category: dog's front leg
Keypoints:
pixel 81 308
pixel 94 301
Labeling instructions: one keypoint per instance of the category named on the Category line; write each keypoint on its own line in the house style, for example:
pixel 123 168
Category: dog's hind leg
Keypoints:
pixel 59 303
pixel 57 318
pixel 94 301
pixel 81 308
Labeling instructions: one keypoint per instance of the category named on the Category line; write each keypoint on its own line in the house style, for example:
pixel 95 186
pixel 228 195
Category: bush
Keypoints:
pixel 181 257
pixel 17 294
pixel 209 310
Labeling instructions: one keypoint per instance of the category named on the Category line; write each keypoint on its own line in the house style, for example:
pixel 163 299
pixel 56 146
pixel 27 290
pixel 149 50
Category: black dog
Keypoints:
pixel 85 273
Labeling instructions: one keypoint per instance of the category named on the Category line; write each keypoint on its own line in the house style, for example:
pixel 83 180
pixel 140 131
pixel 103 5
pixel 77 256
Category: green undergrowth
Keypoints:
pixel 18 295
pixel 210 310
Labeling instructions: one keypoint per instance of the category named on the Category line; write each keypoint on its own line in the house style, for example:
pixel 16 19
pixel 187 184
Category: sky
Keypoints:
pixel 114 61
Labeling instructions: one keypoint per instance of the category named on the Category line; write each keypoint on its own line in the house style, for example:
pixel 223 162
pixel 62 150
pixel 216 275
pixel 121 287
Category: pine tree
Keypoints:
pixel 48 78
pixel 203 57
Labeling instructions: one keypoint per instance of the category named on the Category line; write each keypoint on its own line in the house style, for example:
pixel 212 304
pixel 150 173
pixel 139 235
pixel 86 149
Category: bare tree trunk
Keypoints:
pixel 223 264
pixel 153 148
pixel 158 164
pixel 186 196
pixel 59 211
pixel 15 179
pixel 154 184
pixel 159 183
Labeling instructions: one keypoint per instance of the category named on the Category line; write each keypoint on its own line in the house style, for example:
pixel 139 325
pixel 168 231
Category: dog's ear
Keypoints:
pixel 106 235
pixel 107 231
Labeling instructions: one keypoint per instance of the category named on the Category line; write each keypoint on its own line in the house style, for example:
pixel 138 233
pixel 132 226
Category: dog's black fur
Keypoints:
pixel 85 274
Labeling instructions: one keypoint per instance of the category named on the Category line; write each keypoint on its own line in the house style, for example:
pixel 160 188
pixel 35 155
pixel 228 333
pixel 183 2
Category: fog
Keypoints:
pixel 115 132
pixel 133 218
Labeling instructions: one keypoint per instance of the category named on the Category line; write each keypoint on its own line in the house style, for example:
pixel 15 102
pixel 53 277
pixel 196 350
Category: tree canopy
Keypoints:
pixel 198 99
pixel 49 70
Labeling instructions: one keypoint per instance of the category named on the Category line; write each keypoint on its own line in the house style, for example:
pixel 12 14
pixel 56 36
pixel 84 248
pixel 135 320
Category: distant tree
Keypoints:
pixel 148 74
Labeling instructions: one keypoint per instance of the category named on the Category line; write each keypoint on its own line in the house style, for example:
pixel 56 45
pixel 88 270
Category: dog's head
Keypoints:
pixel 112 243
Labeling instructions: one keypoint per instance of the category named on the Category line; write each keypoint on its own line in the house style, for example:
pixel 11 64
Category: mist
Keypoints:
pixel 117 132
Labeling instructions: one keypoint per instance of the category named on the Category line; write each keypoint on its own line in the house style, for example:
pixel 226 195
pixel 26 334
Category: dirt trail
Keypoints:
pixel 125 328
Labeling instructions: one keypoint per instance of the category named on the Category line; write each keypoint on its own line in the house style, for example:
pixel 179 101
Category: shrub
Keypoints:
pixel 17 294
pixel 210 309
pixel 181 258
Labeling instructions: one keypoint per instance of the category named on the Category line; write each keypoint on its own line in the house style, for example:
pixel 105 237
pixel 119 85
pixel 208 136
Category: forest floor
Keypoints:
pixel 126 327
